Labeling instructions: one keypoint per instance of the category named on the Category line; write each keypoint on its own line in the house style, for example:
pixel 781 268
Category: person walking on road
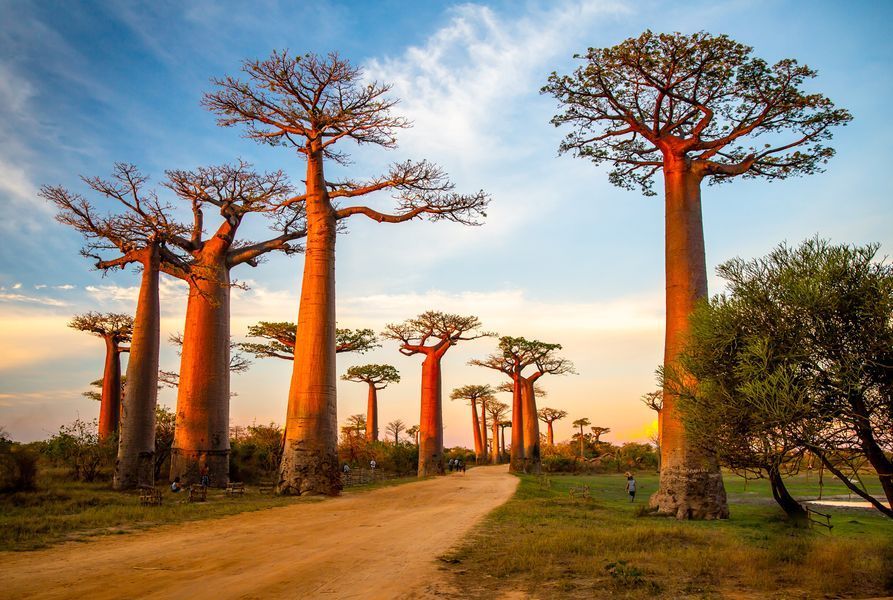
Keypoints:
pixel 631 486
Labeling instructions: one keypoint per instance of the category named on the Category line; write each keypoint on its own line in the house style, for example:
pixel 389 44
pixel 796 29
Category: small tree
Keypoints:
pixel 549 416
pixel 115 329
pixel 431 334
pixel 476 394
pixel 691 107
pixel 581 423
pixel 394 428
pixel 597 433
pixel 376 377
pixel 78 447
pixel 310 103
pixel 502 426
pixel 280 336
pixel 165 420
pixel 413 432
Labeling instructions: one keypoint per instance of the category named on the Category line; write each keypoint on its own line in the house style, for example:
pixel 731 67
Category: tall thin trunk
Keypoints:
pixel 503 442
pixel 793 509
pixel 550 436
pixel 201 436
pixel 691 484
pixel 476 426
pixel 876 456
pixel 484 433
pixel 494 451
pixel 431 418
pixel 581 441
pixel 310 457
pixel 110 404
pixel 135 464
pixel 531 427
pixel 517 458
pixel 372 414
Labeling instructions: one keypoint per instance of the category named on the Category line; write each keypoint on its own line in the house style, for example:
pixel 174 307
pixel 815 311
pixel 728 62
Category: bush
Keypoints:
pixel 18 466
pixel 78 448
pixel 255 452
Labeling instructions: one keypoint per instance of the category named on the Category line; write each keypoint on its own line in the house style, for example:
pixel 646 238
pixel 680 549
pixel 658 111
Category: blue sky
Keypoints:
pixel 563 257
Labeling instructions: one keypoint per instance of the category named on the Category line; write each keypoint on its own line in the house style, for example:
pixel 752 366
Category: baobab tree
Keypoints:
pixel 115 329
pixel 233 192
pixel 394 428
pixel 693 107
pixel 280 336
pixel 139 233
pixel 549 416
pixel 475 395
pixel 655 401
pixel 581 423
pixel 598 432
pixel 515 354
pixel 377 377
pixel 413 432
pixel 502 426
pixel 497 411
pixel 431 334
pixel 311 103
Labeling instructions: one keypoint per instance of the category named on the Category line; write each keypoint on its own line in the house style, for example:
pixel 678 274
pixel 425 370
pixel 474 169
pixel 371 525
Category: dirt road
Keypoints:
pixel 380 544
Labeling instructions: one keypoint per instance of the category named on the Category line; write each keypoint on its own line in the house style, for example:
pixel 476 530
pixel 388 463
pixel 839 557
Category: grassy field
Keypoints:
pixel 62 510
pixel 549 545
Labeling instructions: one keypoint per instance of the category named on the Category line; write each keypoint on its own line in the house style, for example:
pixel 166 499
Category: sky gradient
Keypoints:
pixel 563 257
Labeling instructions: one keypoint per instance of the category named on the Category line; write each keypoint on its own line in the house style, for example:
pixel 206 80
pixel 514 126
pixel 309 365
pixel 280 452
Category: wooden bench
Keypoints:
pixel 234 488
pixel 266 487
pixel 580 491
pixel 197 493
pixel 150 496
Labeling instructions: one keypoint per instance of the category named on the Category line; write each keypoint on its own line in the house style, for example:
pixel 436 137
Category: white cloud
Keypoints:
pixel 5 296
pixel 64 286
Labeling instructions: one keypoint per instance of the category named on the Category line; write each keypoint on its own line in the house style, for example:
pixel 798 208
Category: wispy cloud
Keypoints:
pixel 8 297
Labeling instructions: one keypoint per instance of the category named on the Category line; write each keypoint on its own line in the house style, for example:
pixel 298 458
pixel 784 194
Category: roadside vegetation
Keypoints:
pixel 549 544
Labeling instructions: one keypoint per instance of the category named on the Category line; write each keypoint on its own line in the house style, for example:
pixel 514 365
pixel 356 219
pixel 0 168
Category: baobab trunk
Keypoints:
pixel 494 451
pixel 550 437
pixel 310 456
pixel 201 437
pixel 475 424
pixel 135 464
pixel 110 403
pixel 372 414
pixel 431 418
pixel 483 433
pixel 531 427
pixel 517 459
pixel 502 447
pixel 691 484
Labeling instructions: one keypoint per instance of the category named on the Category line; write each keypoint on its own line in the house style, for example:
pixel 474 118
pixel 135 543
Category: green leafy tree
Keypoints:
pixel 281 335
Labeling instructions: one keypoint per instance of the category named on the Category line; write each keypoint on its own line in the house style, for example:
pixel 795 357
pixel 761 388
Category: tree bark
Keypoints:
pixel 475 424
pixel 201 436
pixel 502 446
pixel 882 465
pixel 135 464
pixel 531 426
pixel 494 451
pixel 485 452
pixel 372 414
pixel 310 456
pixel 517 459
pixel 431 418
pixel 691 484
pixel 793 509
pixel 110 403
pixel 550 436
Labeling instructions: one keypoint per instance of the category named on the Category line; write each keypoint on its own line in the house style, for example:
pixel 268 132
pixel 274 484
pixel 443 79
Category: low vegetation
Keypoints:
pixel 549 544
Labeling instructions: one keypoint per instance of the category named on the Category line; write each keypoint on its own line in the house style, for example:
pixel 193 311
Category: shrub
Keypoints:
pixel 18 466
pixel 77 447
pixel 255 452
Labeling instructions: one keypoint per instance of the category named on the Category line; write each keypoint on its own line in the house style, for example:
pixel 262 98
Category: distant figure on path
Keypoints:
pixel 462 465
pixel 450 465
pixel 206 477
pixel 631 487
pixel 372 464
pixel 346 469
pixel 176 486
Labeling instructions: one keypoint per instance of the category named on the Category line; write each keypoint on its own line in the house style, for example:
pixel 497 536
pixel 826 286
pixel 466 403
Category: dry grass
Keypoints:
pixel 550 546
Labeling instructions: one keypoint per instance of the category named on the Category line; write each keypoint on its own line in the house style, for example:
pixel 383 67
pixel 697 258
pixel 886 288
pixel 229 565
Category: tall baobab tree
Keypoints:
pixel 431 334
pixel 497 411
pixel 311 103
pixel 280 336
pixel 394 428
pixel 377 377
pixel 581 423
pixel 233 191
pixel 138 233
pixel 655 401
pixel 115 329
pixel 502 426
pixel 548 416
pixel 693 107
pixel 515 354
pixel 475 395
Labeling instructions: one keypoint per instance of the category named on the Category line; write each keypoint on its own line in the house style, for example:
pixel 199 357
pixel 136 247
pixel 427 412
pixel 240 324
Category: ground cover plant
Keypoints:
pixel 549 544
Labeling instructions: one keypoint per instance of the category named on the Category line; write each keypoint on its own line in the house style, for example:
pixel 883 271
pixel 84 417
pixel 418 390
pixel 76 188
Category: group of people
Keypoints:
pixel 456 464
pixel 177 485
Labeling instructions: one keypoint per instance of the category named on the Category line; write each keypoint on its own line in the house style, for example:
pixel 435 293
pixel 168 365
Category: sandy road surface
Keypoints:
pixel 380 544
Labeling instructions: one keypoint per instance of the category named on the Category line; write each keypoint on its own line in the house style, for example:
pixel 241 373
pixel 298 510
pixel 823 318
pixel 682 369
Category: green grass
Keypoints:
pixel 552 546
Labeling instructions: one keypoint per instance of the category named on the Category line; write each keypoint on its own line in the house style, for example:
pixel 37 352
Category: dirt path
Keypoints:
pixel 380 544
